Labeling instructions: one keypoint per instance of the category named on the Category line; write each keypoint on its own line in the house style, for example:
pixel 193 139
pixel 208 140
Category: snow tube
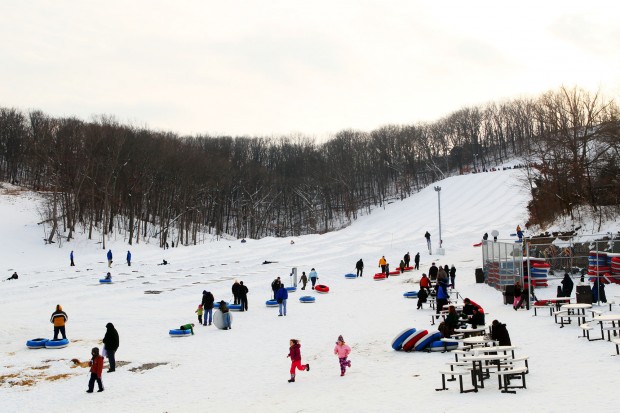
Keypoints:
pixel 413 339
pixel 234 307
pixel 541 302
pixel 62 343
pixel 540 265
pixel 321 288
pixel 291 289
pixel 411 294
pixel 217 304
pixel 397 272
pixel 379 277
pixel 104 281
pixel 218 319
pixel 443 345
pixel 271 303
pixel 427 340
pixel 408 268
pixel 350 276
pixel 177 332
pixel 397 343
pixel 306 299
pixel 36 343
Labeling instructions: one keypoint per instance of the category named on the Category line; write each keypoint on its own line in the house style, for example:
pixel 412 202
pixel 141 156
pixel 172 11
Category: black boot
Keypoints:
pixel 308 367
pixel 292 379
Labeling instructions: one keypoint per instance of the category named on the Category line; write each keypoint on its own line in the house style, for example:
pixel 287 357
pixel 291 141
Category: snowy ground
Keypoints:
pixel 246 369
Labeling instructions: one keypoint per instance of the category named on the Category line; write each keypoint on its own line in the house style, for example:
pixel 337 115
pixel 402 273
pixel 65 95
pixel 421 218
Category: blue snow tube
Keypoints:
pixel 104 281
pixel 350 276
pixel 234 307
pixel 306 299
pixel 271 303
pixel 61 343
pixel 411 294
pixel 291 289
pixel 177 332
pixel 427 340
pixel 397 343
pixel 36 343
pixel 443 345
pixel 217 304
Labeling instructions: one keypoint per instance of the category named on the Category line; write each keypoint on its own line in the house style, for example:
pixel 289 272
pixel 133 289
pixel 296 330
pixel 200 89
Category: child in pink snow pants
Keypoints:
pixel 295 354
pixel 342 351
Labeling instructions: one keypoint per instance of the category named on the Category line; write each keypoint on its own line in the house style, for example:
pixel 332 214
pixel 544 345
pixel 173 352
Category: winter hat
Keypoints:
pixel 204 291
pixel 340 338
pixel 109 325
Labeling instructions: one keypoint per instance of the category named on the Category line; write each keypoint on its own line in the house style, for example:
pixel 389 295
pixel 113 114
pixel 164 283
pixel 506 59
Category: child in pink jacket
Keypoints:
pixel 342 351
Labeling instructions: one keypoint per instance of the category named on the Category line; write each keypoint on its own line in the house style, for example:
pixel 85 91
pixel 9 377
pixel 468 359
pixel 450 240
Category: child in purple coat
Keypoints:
pixel 342 351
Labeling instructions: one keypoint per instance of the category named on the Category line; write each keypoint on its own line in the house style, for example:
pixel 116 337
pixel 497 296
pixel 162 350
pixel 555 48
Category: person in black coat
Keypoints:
pixel 422 296
pixel 567 285
pixel 500 333
pixel 243 296
pixel 407 259
pixel 110 345
pixel 235 291
pixel 416 260
pixel 207 306
pixel 477 318
pixel 432 272
pixel 359 266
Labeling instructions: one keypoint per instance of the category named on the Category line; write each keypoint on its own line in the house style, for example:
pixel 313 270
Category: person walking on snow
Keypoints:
pixel 207 306
pixel 303 280
pixel 416 260
pixel 407 259
pixel 128 258
pixel 200 312
pixel 452 275
pixel 294 353
pixel 359 268
pixel 96 369
pixel 59 318
pixel 71 258
pixel 313 277
pixel 342 350
pixel 383 264
pixel 109 255
pixel 401 267
pixel 428 241
pixel 281 297
pixel 110 345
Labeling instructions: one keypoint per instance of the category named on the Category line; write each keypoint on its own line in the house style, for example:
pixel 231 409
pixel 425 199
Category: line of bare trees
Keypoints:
pixel 102 177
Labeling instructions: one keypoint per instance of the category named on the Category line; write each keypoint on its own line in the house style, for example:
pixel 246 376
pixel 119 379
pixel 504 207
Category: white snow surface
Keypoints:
pixel 246 369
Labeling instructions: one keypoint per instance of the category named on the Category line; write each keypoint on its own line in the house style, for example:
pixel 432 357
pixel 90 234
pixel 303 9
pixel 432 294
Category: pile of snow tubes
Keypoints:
pixel 397 343
pixel 60 343
pixel 177 332
pixel 411 339
pixel 306 299
pixel 104 281
pixel 235 307
pixel 291 289
pixel 36 343
pixel 614 263
pixel 443 345
pixel 538 273
pixel 321 288
pixel 411 294
pixel 350 276
pixel 600 264
pixel 271 303
pixel 379 276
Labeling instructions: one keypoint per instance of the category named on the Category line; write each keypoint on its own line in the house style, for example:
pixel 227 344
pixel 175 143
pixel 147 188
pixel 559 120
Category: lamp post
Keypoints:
pixel 438 190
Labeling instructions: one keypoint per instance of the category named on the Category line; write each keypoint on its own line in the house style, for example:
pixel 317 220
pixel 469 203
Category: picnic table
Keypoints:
pixel 569 311
pixel 604 320
pixel 471 331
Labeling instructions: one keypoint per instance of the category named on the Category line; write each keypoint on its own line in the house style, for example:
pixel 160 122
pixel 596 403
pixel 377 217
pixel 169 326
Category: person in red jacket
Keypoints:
pixel 96 369
pixel 295 354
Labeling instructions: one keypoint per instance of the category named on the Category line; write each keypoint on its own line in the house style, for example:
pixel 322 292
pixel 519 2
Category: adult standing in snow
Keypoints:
pixel 313 277
pixel 281 297
pixel 59 318
pixel 342 350
pixel 303 280
pixel 359 268
pixel 407 259
pixel 416 260
pixel 225 315
pixel 598 290
pixel 109 255
pixel 428 241
pixel 275 286
pixel 485 236
pixel 442 294
pixel 235 292
pixel 432 272
pixel 294 353
pixel 243 296
pixel 402 266
pixel 71 258
pixel 110 345
pixel 383 264
pixel 567 285
pixel 452 275
pixel 207 305
pixel 129 258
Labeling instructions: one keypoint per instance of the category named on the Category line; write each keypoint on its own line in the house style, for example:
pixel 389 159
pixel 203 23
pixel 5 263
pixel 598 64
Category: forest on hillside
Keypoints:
pixel 101 176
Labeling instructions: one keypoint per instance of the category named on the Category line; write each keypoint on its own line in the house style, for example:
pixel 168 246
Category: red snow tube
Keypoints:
pixel 321 288
pixel 411 268
pixel 397 272
pixel 540 265
pixel 379 276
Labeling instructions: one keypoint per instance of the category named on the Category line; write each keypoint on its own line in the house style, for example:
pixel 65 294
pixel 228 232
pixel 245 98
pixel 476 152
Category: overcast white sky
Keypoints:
pixel 315 67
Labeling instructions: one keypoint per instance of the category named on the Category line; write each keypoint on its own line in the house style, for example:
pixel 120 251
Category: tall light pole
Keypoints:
pixel 438 190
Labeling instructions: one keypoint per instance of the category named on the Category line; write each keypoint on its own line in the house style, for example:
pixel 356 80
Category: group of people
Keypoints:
pixel 385 266
pixel 240 294
pixel 109 257
pixel 471 314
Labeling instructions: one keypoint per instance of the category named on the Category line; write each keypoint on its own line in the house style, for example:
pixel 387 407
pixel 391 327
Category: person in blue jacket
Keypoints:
pixel 71 258
pixel 109 258
pixel 281 297
pixel 442 294
pixel 128 258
